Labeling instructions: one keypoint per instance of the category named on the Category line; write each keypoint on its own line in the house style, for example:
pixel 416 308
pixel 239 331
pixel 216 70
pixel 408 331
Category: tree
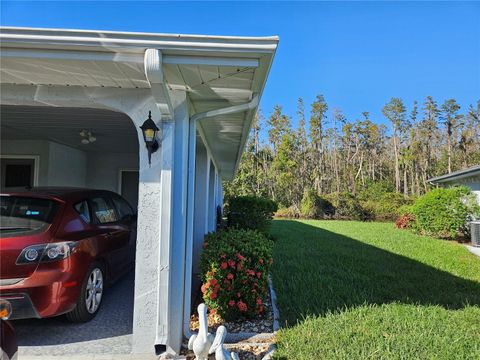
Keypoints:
pixel 339 155
pixel 303 146
pixel 317 118
pixel 279 125
pixel 394 111
pixel 428 132
pixel 451 120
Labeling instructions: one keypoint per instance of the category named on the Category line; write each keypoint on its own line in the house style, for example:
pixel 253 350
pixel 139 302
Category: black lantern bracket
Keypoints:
pixel 149 131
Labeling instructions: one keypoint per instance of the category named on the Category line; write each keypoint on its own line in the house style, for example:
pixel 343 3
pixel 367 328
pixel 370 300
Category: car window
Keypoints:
pixel 83 210
pixel 103 211
pixel 24 215
pixel 122 206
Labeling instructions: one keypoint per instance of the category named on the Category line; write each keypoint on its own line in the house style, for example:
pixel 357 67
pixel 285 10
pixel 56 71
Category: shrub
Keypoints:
pixel 250 212
pixel 443 212
pixel 315 207
pixel 386 206
pixel 405 221
pixel 347 206
pixel 405 209
pixel 375 190
pixel 235 264
pixel 291 212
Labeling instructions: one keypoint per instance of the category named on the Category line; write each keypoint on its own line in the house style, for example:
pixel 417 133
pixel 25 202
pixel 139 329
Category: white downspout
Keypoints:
pixel 252 104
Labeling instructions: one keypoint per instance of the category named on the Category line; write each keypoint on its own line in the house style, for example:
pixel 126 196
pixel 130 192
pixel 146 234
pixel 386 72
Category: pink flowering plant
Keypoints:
pixel 235 265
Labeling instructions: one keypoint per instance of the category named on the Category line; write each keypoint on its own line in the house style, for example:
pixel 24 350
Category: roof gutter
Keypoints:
pixel 19 37
pixel 251 105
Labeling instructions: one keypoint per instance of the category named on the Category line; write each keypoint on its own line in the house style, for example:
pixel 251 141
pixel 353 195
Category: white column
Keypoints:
pixel 207 204
pixel 219 192
pixel 178 221
pixel 211 198
pixel 202 170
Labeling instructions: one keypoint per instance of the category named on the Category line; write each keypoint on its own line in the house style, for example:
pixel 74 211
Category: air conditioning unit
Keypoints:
pixel 475 231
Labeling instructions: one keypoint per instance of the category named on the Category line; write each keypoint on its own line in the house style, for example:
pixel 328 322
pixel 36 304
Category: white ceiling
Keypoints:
pixel 114 132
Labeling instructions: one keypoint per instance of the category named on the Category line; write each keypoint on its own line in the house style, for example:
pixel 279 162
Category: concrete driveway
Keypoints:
pixel 109 332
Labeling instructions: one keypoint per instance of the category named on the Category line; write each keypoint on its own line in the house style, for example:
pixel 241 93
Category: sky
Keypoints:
pixel 357 54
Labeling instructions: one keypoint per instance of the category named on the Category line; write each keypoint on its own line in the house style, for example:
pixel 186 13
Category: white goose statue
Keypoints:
pixel 200 343
pixel 217 347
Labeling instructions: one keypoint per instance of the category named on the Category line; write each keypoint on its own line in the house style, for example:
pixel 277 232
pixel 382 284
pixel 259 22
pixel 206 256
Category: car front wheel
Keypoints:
pixel 90 296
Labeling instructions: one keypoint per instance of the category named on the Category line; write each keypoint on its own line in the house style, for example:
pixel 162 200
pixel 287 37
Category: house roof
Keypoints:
pixel 471 171
pixel 215 71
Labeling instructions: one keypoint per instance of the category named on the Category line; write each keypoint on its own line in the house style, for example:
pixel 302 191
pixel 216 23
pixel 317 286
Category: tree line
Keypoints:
pixel 329 153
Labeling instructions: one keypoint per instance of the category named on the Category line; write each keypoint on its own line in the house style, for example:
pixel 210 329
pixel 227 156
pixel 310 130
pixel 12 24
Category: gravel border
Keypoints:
pixel 256 337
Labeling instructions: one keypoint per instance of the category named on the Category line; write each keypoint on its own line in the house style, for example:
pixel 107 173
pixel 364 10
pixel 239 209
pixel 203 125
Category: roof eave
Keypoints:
pixel 457 176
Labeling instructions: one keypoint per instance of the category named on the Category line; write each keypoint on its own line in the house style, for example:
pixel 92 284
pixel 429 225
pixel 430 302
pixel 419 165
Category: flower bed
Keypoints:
pixel 262 323
pixel 235 264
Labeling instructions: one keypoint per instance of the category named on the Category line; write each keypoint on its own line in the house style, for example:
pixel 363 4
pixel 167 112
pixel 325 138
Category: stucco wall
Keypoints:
pixel 103 169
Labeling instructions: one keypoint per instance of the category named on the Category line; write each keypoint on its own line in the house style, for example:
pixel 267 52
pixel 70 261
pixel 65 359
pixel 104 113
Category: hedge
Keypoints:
pixel 250 212
pixel 444 212
pixel 235 264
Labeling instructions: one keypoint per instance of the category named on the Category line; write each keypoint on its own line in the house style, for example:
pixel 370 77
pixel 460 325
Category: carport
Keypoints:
pixel 62 87
pixel 48 142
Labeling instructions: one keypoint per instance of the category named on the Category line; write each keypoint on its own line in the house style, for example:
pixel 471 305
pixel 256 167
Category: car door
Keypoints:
pixel 112 238
pixel 129 222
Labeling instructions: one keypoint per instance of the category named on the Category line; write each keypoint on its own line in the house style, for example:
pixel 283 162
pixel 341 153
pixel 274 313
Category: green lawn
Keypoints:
pixel 353 290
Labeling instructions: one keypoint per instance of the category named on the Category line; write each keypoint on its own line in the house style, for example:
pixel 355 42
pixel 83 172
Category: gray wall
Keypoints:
pixel 62 165
pixel 103 169
pixel 66 166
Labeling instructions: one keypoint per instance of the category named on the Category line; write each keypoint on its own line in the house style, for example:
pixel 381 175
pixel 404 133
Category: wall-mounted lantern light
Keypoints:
pixel 150 130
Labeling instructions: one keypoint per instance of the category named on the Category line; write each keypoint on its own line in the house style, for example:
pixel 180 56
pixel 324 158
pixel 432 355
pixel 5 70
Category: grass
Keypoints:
pixel 353 290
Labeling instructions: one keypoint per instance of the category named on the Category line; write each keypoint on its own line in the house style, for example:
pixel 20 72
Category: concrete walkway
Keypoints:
pixel 107 334
pixel 473 250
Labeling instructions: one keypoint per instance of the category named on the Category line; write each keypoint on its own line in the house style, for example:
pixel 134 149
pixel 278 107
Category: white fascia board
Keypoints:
pixel 259 84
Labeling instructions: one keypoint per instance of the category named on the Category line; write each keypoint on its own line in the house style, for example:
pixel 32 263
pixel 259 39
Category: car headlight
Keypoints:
pixel 46 252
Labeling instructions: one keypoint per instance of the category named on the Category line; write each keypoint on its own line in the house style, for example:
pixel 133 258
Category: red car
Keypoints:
pixel 60 247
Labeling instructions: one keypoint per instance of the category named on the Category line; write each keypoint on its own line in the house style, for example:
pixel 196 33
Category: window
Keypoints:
pixel 23 215
pixel 122 206
pixel 103 211
pixel 83 210
pixel 17 172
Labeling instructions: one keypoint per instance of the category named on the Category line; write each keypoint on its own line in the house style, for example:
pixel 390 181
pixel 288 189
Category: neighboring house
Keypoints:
pixel 469 177
pixel 72 103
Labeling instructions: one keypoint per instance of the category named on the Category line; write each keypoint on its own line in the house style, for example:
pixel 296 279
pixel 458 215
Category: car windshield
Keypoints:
pixel 25 215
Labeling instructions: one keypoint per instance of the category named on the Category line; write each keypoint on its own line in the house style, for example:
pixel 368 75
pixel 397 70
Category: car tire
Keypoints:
pixel 91 295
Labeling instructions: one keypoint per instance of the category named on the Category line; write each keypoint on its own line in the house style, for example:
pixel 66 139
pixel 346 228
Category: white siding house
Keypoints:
pixel 469 177
pixel 202 92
